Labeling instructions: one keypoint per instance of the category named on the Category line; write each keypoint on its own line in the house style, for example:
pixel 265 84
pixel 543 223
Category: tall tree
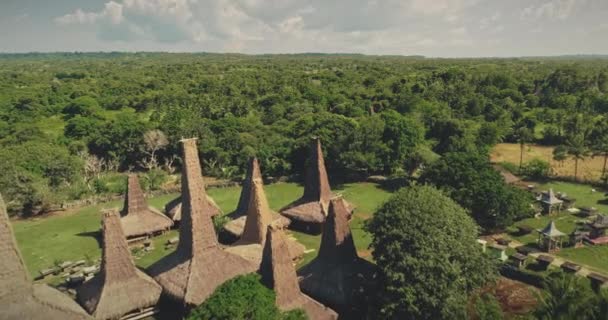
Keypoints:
pixel 578 149
pixel 567 297
pixel 523 135
pixel 425 247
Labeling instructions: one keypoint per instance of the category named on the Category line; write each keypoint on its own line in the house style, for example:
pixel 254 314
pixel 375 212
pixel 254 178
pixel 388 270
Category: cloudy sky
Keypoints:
pixel 443 28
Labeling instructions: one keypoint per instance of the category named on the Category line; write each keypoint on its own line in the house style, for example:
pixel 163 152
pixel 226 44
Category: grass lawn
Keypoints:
pixel 73 235
pixel 595 257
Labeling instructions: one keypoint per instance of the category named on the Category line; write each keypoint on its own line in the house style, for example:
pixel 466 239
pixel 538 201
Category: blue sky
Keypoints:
pixel 443 28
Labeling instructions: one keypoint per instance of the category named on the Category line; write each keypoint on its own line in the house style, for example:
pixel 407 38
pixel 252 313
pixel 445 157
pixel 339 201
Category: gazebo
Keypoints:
pixel 309 212
pixel 550 238
pixel 137 218
pixel 19 298
pixel 550 202
pixel 279 274
pixel 119 288
pixel 199 265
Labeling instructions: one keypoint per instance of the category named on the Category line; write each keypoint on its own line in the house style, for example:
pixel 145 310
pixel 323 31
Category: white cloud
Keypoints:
pixel 112 12
pixel 552 9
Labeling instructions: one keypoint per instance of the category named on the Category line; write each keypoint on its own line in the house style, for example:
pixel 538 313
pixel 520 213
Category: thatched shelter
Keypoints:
pixel 192 272
pixel 173 208
pixel 337 273
pixel 309 212
pixel 550 238
pixel 247 207
pixel 19 297
pixel 256 221
pixel 119 288
pixel 279 274
pixel 137 218
pixel 550 203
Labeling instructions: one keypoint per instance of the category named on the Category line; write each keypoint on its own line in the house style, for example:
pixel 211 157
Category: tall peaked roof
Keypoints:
pixel 119 288
pixel 198 265
pixel 550 198
pixel 316 185
pixel 19 298
pixel 279 274
pixel 137 217
pixel 259 215
pixel 337 243
pixel 337 273
pixel 311 208
pixel 253 174
pixel 551 230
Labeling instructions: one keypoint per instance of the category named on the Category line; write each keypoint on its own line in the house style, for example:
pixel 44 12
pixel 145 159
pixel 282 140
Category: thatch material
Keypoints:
pixel 310 210
pixel 253 187
pixel 198 265
pixel 137 217
pixel 279 274
pixel 19 298
pixel 258 217
pixel 173 208
pixel 119 288
pixel 337 273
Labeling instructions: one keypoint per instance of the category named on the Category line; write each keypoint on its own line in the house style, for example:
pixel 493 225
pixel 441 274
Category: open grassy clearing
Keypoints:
pixel 589 169
pixel 595 257
pixel 73 235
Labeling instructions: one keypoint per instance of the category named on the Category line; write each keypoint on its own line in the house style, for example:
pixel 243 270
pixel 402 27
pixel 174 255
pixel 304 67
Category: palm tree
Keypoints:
pixel 523 135
pixel 578 150
pixel 567 297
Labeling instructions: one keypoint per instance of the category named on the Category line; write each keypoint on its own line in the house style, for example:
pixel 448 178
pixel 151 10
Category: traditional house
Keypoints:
pixel 247 207
pixel 309 212
pixel 256 221
pixel 119 289
pixel 519 260
pixel 194 270
pixel 137 218
pixel 550 203
pixel 550 238
pixel 337 273
pixel 19 297
pixel 279 274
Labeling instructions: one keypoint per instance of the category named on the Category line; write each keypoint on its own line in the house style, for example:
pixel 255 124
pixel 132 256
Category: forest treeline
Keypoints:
pixel 69 122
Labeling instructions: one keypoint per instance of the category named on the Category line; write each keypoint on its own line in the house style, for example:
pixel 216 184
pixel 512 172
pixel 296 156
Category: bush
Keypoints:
pixel 488 308
pixel 536 169
pixel 243 298
pixel 154 179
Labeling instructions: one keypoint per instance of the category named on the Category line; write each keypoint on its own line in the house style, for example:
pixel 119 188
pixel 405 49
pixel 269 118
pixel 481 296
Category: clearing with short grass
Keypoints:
pixel 74 235
pixel 589 169
pixel 595 257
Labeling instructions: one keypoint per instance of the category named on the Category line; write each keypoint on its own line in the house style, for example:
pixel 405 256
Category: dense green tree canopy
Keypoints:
pixel 425 247
pixel 243 298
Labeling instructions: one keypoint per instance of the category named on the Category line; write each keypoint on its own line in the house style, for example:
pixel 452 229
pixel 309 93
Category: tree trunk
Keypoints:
pixel 604 167
pixel 575 169
pixel 521 155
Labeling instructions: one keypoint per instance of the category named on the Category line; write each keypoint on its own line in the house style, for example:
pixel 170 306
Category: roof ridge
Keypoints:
pixel 258 215
pixel 135 202
pixel 337 243
pixel 316 185
pixel 253 174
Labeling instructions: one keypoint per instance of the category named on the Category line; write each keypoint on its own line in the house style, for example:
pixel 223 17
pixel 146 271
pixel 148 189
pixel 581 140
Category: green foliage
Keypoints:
pixel 536 169
pixel 488 308
pixel 425 247
pixel 242 298
pixel 569 297
pixel 153 179
pixel 471 181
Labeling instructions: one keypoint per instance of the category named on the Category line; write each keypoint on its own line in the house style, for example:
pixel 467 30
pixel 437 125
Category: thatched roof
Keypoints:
pixel 551 230
pixel 137 217
pixel 312 206
pixel 279 274
pixel 173 208
pixel 253 202
pixel 119 288
pixel 198 265
pixel 337 272
pixel 19 298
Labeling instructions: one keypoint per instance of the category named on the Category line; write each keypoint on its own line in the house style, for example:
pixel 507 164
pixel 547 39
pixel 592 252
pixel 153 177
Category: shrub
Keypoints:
pixel 536 169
